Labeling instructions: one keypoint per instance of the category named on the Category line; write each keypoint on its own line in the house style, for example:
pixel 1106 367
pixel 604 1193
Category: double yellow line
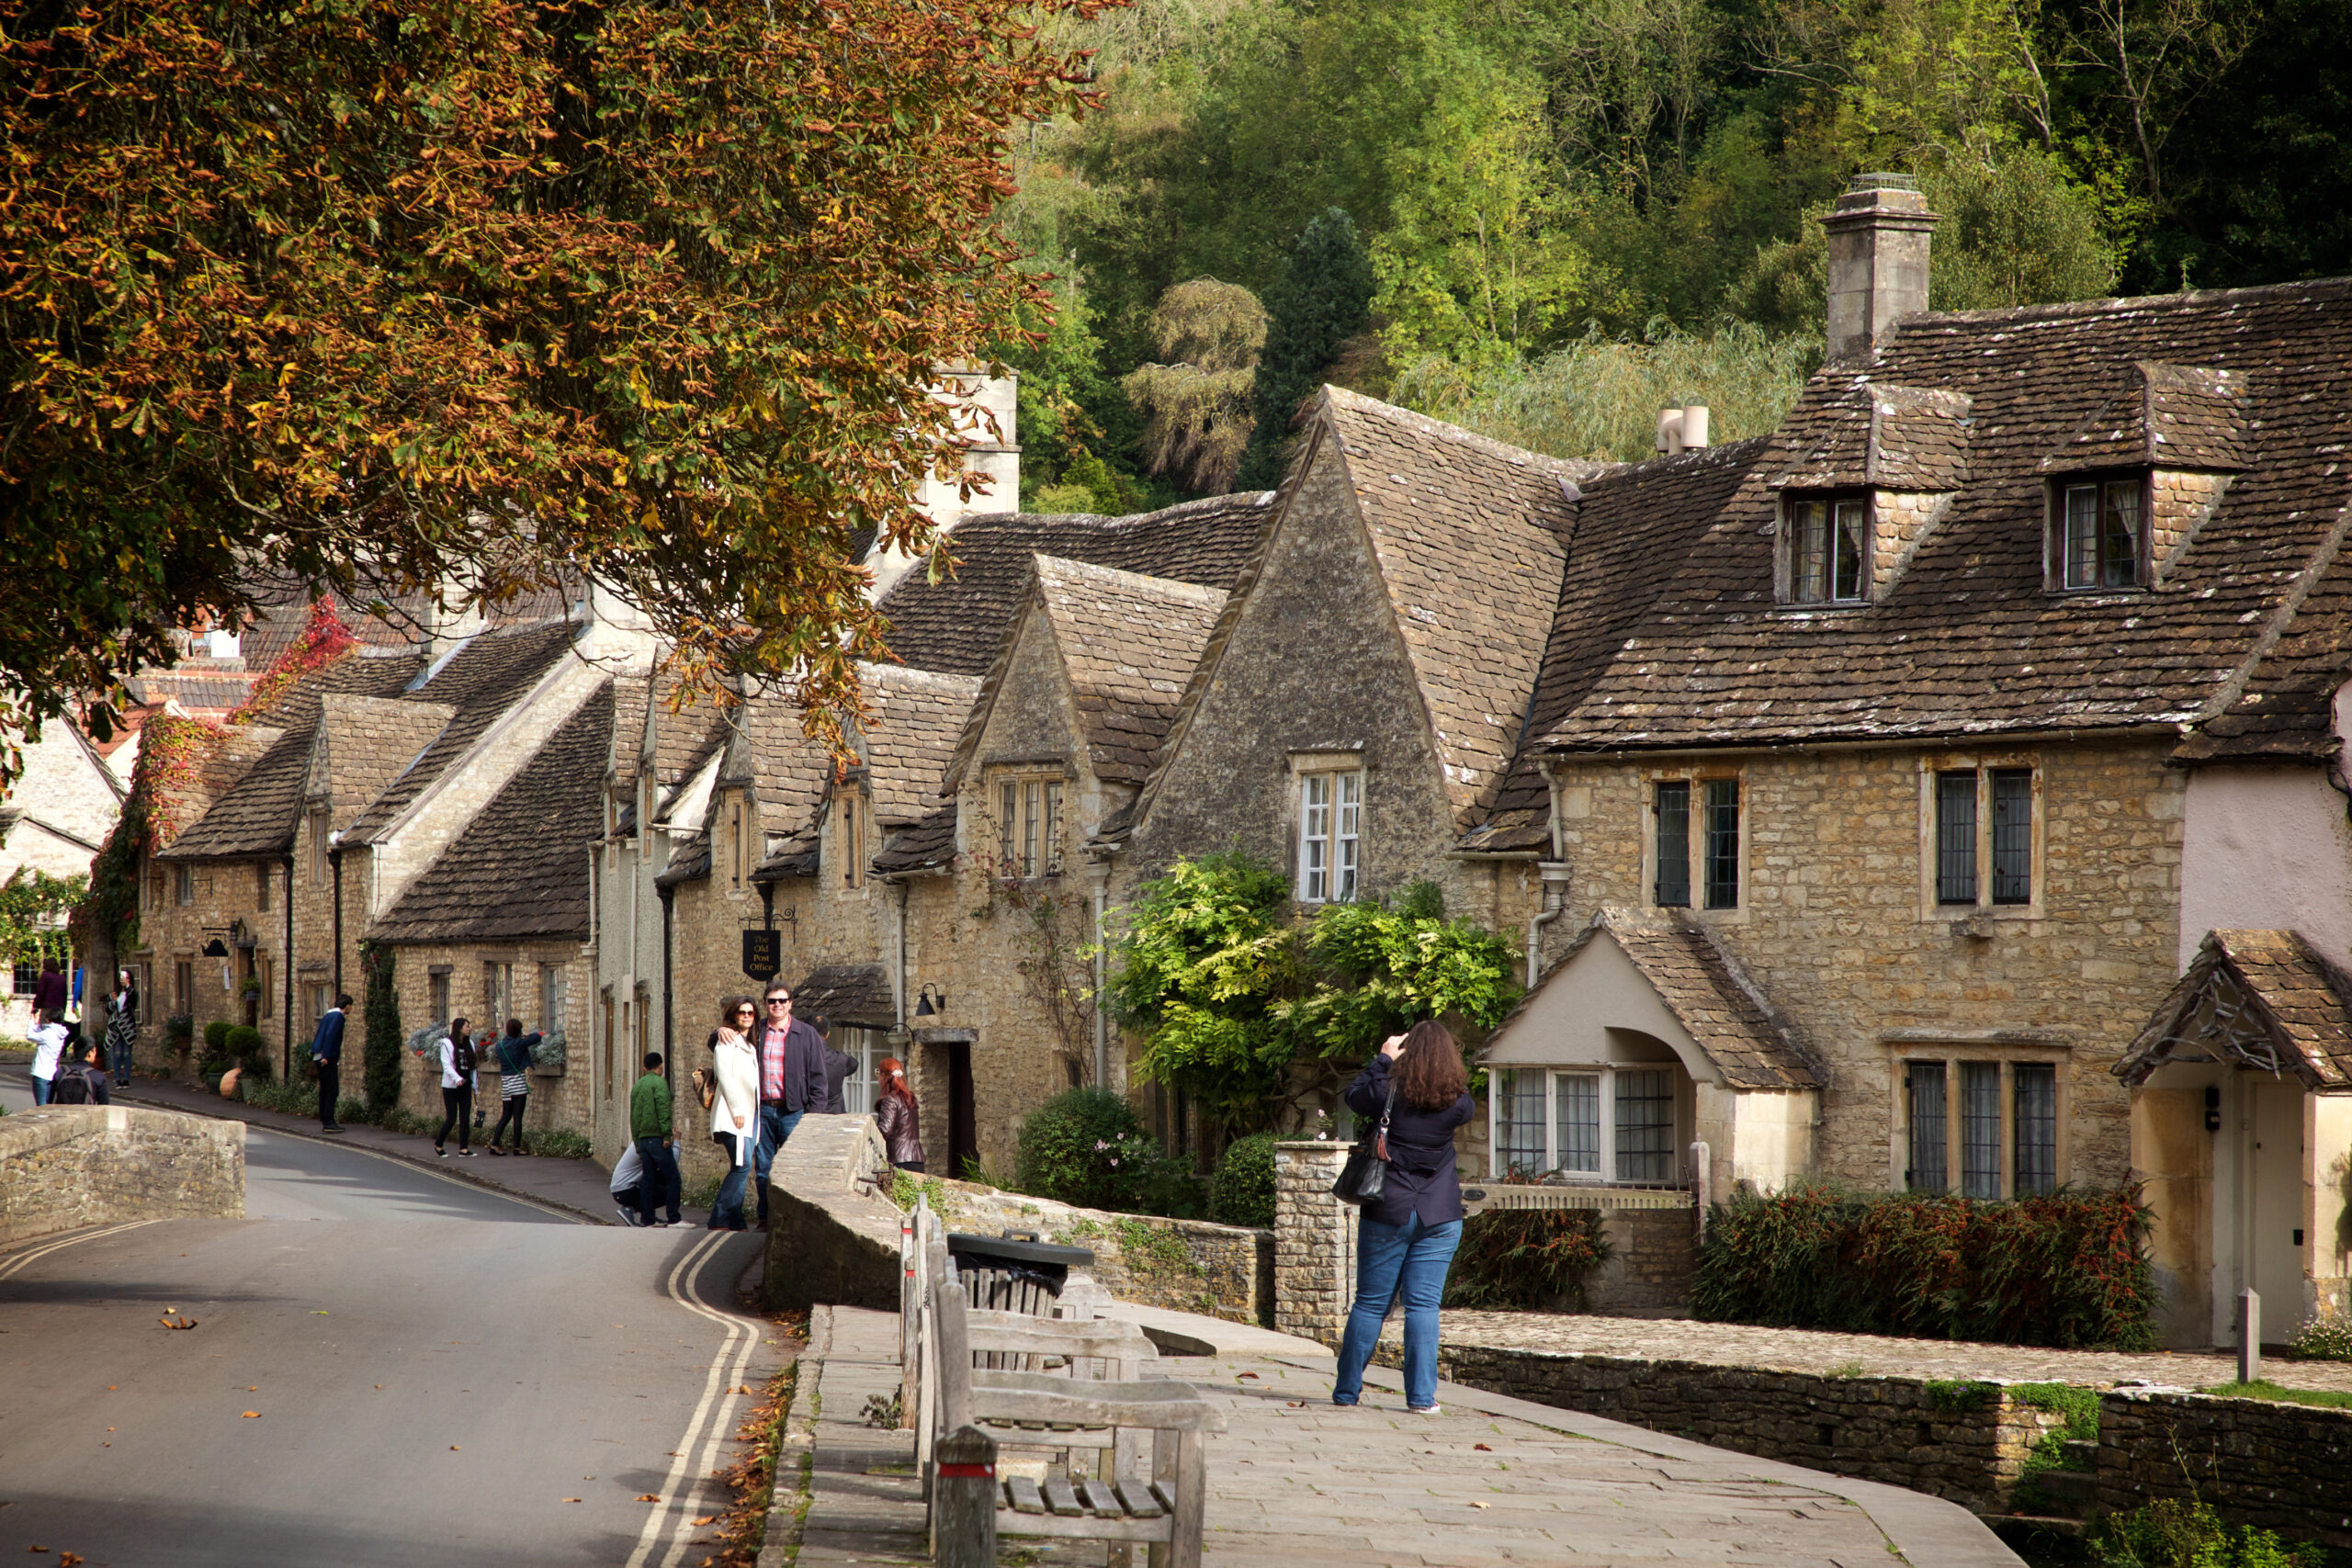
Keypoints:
pixel 714 1416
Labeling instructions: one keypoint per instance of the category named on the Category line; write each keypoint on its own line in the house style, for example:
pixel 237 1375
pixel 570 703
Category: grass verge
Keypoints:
pixel 2327 1398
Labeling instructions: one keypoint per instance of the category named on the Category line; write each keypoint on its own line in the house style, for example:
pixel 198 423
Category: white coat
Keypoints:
pixel 49 1044
pixel 739 1094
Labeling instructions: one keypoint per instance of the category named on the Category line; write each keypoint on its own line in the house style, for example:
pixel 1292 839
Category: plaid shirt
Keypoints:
pixel 792 1067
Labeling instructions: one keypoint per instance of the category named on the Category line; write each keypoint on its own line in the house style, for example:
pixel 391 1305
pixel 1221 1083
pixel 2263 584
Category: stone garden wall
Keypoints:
pixel 64 1167
pixel 2284 1467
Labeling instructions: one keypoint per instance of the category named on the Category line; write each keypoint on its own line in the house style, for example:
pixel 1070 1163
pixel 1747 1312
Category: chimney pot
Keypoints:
pixel 1670 430
pixel 1694 427
pixel 1878 261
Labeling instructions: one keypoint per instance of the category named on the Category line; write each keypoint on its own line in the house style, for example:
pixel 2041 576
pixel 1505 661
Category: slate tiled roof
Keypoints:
pixel 767 749
pixel 183 802
pixel 520 869
pixel 630 693
pixel 480 681
pixel 794 857
pixel 847 993
pixel 927 844
pixel 361 744
pixel 1705 991
pixel 1873 433
pixel 2264 998
pixel 956 624
pixel 1968 643
pixel 2174 416
pixel 1471 536
pixel 401 623
pixel 199 694
pixel 689 862
pixel 1633 526
pixel 257 816
pixel 2287 712
pixel 918 713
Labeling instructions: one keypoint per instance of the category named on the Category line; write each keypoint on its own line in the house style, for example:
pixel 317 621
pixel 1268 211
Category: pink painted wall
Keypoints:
pixel 2268 848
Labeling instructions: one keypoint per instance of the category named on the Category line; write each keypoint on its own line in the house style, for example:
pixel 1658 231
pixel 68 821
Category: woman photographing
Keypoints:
pixel 1406 1236
pixel 897 1118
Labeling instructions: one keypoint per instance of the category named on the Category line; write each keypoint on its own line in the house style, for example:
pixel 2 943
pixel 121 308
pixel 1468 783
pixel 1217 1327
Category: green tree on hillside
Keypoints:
pixel 1322 300
pixel 1196 405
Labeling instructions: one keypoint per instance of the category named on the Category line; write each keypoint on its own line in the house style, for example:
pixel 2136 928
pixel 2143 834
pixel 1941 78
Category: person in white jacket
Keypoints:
pixel 49 1035
pixel 457 1090
pixel 735 1108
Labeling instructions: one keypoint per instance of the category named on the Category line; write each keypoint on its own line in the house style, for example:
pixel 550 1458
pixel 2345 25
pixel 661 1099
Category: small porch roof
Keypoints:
pixel 1704 1006
pixel 2266 999
pixel 847 993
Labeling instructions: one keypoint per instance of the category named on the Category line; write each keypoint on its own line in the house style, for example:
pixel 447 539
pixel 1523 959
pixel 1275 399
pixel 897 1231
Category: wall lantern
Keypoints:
pixel 929 1002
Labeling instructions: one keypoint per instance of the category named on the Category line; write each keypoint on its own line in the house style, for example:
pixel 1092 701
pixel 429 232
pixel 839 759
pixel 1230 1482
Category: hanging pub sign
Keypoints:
pixel 763 955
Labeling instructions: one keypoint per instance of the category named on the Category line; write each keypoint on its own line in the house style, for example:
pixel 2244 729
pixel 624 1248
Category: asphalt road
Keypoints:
pixel 434 1371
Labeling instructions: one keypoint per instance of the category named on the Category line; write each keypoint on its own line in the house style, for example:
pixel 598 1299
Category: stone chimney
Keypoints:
pixel 1878 261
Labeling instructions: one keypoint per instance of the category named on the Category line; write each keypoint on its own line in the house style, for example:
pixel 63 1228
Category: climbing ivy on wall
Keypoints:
pixel 172 750
pixel 381 1020
pixel 30 904
pixel 324 639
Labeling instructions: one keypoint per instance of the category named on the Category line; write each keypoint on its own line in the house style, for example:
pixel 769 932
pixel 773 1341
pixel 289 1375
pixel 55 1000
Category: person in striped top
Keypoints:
pixel 513 1082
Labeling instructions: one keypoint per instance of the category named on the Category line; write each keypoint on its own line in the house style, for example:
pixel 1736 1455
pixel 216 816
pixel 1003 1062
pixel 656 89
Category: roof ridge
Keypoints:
pixel 2314 287
pixel 1430 425
pixel 1139 581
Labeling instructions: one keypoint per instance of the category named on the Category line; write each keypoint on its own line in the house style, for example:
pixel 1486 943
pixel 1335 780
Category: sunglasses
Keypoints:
pixel 779 1002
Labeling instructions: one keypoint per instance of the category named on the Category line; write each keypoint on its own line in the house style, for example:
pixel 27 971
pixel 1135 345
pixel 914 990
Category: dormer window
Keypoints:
pixel 2099 543
pixel 1828 549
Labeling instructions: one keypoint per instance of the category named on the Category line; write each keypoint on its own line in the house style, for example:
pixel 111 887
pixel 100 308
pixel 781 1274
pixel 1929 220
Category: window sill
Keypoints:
pixel 1978 920
pixel 1792 611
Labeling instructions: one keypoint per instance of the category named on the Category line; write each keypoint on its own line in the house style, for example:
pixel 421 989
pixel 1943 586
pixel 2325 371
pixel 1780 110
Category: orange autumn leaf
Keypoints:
pixel 253 1416
pixel 649 1497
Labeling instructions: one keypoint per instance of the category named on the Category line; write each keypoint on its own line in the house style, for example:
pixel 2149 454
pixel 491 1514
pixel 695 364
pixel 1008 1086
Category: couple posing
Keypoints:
pixel 769 1072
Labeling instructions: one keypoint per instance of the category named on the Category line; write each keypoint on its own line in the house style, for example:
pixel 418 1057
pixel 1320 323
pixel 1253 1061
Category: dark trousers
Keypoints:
pixel 458 1107
pixel 329 1091
pixel 510 1111
pixel 659 1186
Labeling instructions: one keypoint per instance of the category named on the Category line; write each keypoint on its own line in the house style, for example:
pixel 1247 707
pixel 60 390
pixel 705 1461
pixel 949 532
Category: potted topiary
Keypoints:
pixel 216 1036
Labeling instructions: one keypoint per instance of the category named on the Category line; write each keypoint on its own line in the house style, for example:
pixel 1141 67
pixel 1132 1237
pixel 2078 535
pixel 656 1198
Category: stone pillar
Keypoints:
pixel 1315 1242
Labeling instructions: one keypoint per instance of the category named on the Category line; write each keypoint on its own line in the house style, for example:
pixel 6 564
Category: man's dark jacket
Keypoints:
pixel 327 1045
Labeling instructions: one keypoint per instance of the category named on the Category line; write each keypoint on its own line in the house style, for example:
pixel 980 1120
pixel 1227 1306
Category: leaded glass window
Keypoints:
pixel 2036 1092
pixel 1924 1083
pixel 1980 1129
pixel 1673 848
pixel 1645 1112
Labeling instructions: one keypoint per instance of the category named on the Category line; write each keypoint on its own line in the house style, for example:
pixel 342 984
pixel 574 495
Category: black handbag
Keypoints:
pixel 1366 1176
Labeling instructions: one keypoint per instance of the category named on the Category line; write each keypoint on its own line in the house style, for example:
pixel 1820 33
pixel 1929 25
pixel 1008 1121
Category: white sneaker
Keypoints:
pixel 1424 1410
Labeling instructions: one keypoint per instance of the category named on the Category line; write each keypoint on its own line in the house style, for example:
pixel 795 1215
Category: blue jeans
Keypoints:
pixel 727 1213
pixel 1412 1260
pixel 659 1180
pixel 775 1125
pixel 40 1088
pixel 121 1051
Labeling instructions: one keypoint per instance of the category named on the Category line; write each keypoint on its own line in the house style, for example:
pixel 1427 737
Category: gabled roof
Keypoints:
pixel 1873 433
pixel 2287 713
pixel 481 681
pixel 1968 643
pixel 520 869
pixel 956 624
pixel 360 744
pixel 2175 416
pixel 1127 645
pixel 1705 990
pixel 2266 999
pixel 847 993
pixel 1633 526
pixel 256 814
pixel 1471 536
pixel 918 713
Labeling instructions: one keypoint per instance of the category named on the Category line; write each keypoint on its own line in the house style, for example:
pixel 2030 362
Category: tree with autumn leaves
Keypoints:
pixel 385 297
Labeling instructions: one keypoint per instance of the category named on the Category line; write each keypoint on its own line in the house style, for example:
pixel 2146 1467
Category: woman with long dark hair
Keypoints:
pixel 458 1059
pixel 898 1117
pixel 734 1107
pixel 1406 1236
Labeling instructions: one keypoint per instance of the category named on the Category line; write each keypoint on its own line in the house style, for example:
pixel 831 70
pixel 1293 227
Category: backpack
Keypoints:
pixel 71 1088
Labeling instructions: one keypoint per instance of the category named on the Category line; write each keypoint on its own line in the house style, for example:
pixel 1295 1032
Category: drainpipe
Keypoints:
pixel 287 1030
pixel 1098 877
pixel 334 860
pixel 1555 873
pixel 669 1068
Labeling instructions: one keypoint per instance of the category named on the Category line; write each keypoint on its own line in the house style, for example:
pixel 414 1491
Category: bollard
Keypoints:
pixel 963 1500
pixel 2249 1337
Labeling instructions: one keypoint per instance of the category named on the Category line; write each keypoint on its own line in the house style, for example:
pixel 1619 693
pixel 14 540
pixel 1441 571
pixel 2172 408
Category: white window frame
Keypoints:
pixel 1331 835
pixel 1605 1171
pixel 868 1046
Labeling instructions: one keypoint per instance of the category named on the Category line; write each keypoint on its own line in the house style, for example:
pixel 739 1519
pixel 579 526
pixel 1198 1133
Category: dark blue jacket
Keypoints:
pixel 1421 1177
pixel 327 1045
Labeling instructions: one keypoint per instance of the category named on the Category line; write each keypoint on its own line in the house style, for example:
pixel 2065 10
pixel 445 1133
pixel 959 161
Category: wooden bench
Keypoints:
pixel 1094 1410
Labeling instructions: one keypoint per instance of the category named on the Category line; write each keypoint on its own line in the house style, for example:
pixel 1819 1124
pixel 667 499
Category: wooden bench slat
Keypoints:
pixel 1135 1496
pixel 1084 1527
pixel 1099 1499
pixel 1060 1498
pixel 1166 1493
pixel 1023 1495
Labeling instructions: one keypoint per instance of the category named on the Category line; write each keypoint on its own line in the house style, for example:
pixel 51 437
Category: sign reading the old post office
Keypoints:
pixel 763 955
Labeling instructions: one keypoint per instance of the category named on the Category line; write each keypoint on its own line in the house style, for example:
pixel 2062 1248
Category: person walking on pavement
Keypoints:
pixel 1418 1089
pixel 48 1036
pixel 513 1082
pixel 326 1050
pixel 655 1139
pixel 458 1061
pixel 735 1108
pixel 898 1117
pixel 840 1066
pixel 123 1028
pixel 791 1080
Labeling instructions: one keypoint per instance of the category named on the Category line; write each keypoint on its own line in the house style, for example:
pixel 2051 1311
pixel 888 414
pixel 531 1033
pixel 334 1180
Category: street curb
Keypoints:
pixel 437 1168
pixel 796 1450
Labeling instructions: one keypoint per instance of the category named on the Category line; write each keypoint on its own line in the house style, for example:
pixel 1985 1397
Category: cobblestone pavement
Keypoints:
pixel 1294 1483
pixel 1808 1351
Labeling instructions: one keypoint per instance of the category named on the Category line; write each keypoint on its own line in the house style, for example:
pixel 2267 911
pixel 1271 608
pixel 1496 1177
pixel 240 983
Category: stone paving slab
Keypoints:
pixel 1297 1483
pixel 1811 1350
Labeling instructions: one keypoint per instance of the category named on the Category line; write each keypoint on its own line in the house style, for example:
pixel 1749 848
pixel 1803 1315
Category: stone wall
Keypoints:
pixel 1224 1272
pixel 2284 1467
pixel 1966 1442
pixel 1315 1242
pixel 830 1238
pixel 63 1167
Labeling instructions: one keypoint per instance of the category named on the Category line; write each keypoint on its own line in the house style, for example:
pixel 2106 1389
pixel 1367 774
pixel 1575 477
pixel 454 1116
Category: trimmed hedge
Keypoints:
pixel 2069 1269
pixel 1242 1191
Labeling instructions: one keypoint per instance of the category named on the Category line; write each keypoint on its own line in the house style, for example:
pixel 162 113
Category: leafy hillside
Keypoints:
pixel 1547 218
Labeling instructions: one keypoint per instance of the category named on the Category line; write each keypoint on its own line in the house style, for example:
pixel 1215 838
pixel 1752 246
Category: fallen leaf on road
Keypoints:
pixel 379 1385
pixel 1476 1504
pixel 1238 1375
pixel 253 1388
pixel 649 1497
pixel 1482 1447
pixel 572 1499
pixel 315 1313
pixel 1294 1403
pixel 111 1389
pixel 706 1519
pixel 167 1320
pixel 36 1549
pixel 454 1449
pixel 68 1559
pixel 253 1416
